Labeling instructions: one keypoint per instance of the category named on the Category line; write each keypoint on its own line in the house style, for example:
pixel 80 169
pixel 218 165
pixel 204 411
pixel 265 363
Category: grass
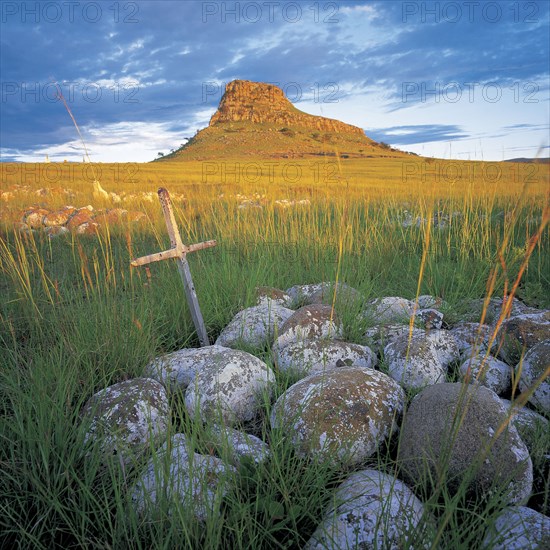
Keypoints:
pixel 74 318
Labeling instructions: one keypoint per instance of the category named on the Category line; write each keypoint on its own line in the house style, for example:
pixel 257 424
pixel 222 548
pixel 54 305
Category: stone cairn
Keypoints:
pixel 346 401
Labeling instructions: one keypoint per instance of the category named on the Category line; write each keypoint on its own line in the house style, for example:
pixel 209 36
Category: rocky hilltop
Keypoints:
pixel 255 119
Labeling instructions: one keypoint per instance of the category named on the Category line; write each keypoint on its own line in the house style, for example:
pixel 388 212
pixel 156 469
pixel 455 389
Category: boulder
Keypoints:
pixel 427 301
pixel 310 356
pixel 340 416
pixel 529 424
pixel 414 362
pixel 228 387
pixel 519 334
pixel 381 335
pixel 371 510
pixel 345 295
pixel 488 371
pixel 518 528
pixel 309 323
pixel 534 367
pixel 457 427
pixel 176 476
pixel 238 445
pixel 392 309
pixel 301 294
pixel 471 338
pixel 268 295
pixel 254 326
pixel 445 345
pixel 178 369
pixel 429 318
pixel 128 417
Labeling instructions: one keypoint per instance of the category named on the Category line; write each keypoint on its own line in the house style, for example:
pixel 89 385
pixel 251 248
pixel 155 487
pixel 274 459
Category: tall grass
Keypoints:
pixel 74 318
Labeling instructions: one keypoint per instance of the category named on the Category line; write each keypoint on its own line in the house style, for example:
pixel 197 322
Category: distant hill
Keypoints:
pixel 257 120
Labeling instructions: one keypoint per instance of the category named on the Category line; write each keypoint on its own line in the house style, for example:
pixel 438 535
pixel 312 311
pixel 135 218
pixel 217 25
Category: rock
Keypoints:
pixel 82 215
pixel 493 309
pixel 488 371
pixel 301 294
pixel 390 310
pixel 309 323
pixel 518 528
pixel 346 296
pixel 340 416
pixel 238 445
pixel 254 326
pixel 311 356
pixel 60 217
pixel 373 510
pixel 228 387
pixel 268 295
pixel 428 436
pixel 382 335
pixel 128 417
pixel 176 476
pixel 535 366
pixel 178 369
pixel 426 301
pixel 55 231
pixel 529 424
pixel 522 332
pixel 414 363
pixel 134 216
pixel 35 218
pixel 471 338
pixel 445 345
pixel 429 318
pixel 88 228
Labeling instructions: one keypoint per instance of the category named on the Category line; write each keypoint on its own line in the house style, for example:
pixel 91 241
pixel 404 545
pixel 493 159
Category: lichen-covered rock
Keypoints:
pixel 178 369
pixel 471 338
pixel 35 218
pixel 392 309
pixel 535 366
pixel 54 231
pixel 518 528
pixel 301 294
pixel 176 476
pixel 380 336
pixel 310 356
pixel 309 323
pixel 529 424
pixel 266 295
pixel 492 309
pixel 488 371
pixel 340 416
pixel 414 362
pixel 445 345
pixel 372 510
pixel 228 388
pixel 345 295
pixel 475 451
pixel 521 333
pixel 128 417
pixel 59 217
pixel 238 445
pixel 427 301
pixel 254 326
pixel 429 318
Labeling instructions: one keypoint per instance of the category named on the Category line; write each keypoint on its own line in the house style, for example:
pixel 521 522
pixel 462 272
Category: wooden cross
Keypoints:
pixel 179 251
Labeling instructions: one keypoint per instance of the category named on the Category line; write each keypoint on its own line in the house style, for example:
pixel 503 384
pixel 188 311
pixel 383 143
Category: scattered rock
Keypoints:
pixel 445 345
pixel 268 295
pixel 471 338
pixel 427 301
pixel 309 323
pixel 342 415
pixel 430 318
pixel 239 444
pixel 311 356
pixel 301 294
pixel 518 528
pixel 535 366
pixel 128 417
pixel 228 387
pixel 390 310
pixel 529 424
pixel 382 335
pixel 430 429
pixel 487 371
pixel 254 326
pixel 176 476
pixel 414 363
pixel 373 510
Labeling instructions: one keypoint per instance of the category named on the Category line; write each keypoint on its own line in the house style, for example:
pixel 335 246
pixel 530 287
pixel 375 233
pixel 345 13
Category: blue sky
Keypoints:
pixel 464 79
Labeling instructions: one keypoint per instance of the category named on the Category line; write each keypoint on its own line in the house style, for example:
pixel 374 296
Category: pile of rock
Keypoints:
pixel 82 221
pixel 344 401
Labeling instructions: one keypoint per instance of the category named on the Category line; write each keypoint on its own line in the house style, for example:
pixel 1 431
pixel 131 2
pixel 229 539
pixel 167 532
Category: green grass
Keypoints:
pixel 74 318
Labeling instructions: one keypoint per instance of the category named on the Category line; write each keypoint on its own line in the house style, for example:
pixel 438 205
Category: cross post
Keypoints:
pixel 179 251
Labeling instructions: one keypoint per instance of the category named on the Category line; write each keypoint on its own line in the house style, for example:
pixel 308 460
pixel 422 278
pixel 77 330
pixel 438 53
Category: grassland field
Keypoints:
pixel 75 317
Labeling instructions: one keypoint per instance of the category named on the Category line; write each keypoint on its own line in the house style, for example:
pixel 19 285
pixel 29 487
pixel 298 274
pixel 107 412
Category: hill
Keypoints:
pixel 257 120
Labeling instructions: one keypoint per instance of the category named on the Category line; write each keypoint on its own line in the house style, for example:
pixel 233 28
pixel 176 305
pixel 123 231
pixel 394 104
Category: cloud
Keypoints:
pixel 417 134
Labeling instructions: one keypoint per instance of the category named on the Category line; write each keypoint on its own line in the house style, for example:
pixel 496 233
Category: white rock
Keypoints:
pixel 175 476
pixel 310 356
pixel 518 528
pixel 340 416
pixel 228 387
pixel 300 294
pixel 382 335
pixel 373 510
pixel 488 371
pixel 238 445
pixel 392 309
pixel 445 345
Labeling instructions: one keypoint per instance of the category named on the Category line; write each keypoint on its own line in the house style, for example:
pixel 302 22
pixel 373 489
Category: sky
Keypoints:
pixel 461 79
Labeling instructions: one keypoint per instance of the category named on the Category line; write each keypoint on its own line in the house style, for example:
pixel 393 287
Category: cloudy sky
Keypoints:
pixel 461 79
